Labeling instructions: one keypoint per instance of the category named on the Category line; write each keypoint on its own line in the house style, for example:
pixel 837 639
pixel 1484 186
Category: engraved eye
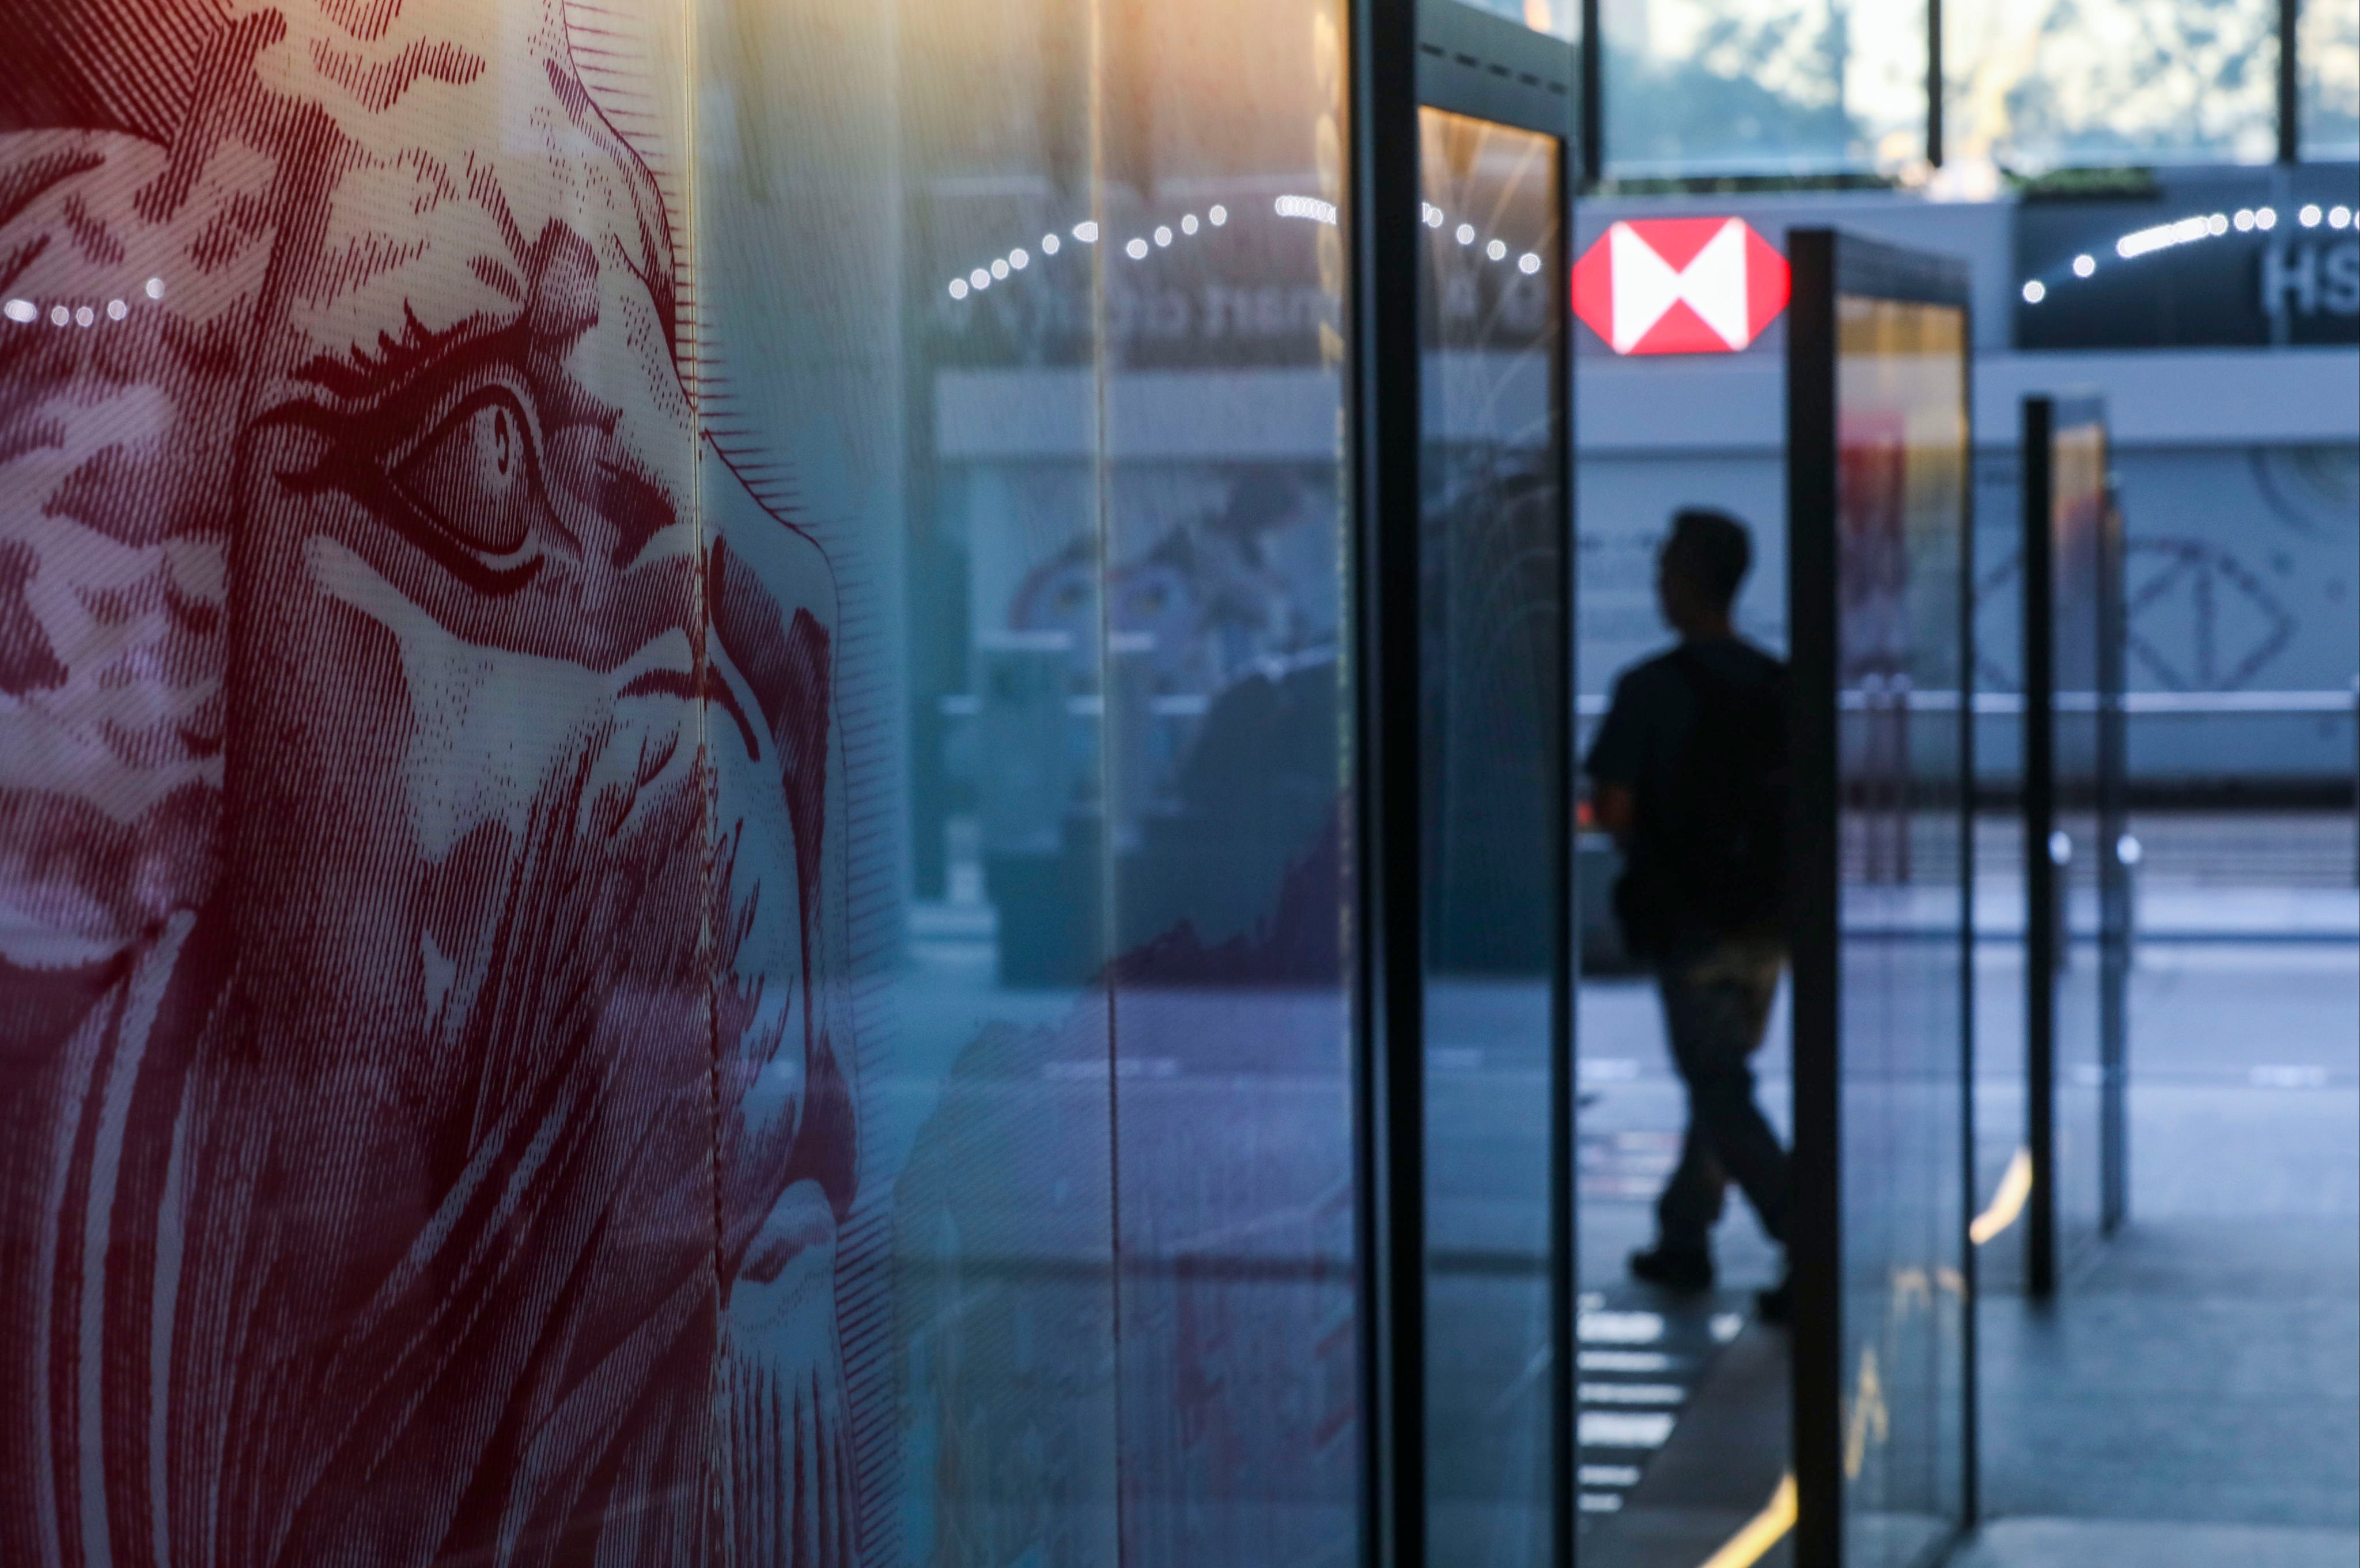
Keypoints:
pixel 476 475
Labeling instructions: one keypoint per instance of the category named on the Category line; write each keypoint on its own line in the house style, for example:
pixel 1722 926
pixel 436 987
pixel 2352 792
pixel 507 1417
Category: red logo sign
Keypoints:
pixel 1679 286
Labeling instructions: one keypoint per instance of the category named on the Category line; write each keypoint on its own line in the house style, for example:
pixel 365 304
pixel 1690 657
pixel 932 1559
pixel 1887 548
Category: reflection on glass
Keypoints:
pixel 1493 609
pixel 1901 492
pixel 2033 84
pixel 1125 1228
pixel 2079 840
pixel 1782 86
pixel 671 787
pixel 2327 54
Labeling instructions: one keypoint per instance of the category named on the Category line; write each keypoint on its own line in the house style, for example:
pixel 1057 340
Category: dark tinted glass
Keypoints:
pixel 1901 514
pixel 1492 625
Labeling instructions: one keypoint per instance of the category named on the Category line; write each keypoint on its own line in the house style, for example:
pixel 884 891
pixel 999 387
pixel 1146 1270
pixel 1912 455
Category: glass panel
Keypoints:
pixel 2087 822
pixel 1901 506
pixel 2327 53
pixel 1763 86
pixel 1223 810
pixel 670 785
pixel 2033 84
pixel 1492 565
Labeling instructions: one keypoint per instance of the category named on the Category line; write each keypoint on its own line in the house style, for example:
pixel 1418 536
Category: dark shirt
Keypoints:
pixel 1649 745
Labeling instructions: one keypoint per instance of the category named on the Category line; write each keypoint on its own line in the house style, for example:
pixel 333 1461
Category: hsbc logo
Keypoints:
pixel 1679 286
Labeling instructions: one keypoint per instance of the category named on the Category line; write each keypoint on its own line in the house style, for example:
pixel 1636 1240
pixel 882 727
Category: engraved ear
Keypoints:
pixel 105 65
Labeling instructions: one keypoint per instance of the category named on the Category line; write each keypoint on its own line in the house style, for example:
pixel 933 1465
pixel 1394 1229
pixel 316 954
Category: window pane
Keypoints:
pixel 2035 84
pixel 1763 86
pixel 2328 54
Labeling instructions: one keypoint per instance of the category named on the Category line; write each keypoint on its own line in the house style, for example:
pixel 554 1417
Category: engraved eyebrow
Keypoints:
pixel 360 371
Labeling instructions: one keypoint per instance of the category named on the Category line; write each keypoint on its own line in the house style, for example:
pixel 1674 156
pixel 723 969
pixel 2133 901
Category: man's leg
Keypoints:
pixel 1694 1196
pixel 1715 1011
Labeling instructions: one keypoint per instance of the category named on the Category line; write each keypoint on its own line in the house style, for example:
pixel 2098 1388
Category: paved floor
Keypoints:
pixel 2089 1543
pixel 2205 1365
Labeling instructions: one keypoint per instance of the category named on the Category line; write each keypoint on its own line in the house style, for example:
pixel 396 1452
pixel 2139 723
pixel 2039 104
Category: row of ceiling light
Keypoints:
pixel 24 312
pixel 2187 231
pixel 1140 246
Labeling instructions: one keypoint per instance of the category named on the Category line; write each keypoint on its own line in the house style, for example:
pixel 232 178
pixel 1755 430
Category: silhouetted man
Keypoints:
pixel 1690 771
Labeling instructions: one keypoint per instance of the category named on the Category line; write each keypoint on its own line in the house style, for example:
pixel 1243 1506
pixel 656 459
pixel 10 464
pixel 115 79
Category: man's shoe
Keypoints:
pixel 1776 1304
pixel 1673 1268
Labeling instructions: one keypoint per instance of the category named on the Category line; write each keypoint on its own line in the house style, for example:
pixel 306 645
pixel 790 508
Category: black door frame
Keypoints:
pixel 1406 55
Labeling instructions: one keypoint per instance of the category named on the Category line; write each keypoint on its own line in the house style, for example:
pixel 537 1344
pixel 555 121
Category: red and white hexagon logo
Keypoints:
pixel 1679 286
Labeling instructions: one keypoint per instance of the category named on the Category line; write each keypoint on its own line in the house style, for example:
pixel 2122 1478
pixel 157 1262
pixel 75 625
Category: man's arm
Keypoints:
pixel 1615 808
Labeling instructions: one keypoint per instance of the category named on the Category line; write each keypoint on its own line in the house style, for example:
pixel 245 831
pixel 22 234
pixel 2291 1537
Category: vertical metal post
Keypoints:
pixel 2114 892
pixel 1934 93
pixel 2042 888
pixel 2289 82
pixel 1390 1039
pixel 1814 1245
pixel 1593 101
pixel 1565 963
pixel 1971 1387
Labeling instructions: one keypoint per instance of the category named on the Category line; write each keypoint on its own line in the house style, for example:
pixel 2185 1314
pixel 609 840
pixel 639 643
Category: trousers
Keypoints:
pixel 1716 1007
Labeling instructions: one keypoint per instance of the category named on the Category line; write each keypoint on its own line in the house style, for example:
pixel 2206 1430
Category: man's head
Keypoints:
pixel 1704 558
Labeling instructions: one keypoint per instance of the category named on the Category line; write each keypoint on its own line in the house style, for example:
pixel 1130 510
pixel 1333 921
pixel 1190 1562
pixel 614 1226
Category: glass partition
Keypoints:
pixel 2105 82
pixel 2075 921
pixel 670 785
pixel 1492 627
pixel 1879 433
pixel 1764 87
pixel 2327 54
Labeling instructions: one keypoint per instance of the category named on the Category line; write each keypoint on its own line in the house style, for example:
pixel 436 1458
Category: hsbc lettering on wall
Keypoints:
pixel 1679 286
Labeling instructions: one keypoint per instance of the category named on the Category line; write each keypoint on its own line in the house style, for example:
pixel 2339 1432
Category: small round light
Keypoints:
pixel 2267 219
pixel 59 316
pixel 1162 234
pixel 2309 215
pixel 979 277
pixel 2034 291
pixel 1188 224
pixel 1219 214
pixel 1528 263
pixel 2218 224
pixel 1000 270
pixel 1019 259
pixel 2339 217
pixel 1497 250
pixel 21 311
pixel 1136 250
pixel 84 315
pixel 1085 232
pixel 2244 220
pixel 958 288
pixel 1466 234
pixel 155 288
pixel 2084 265
pixel 116 310
pixel 1049 245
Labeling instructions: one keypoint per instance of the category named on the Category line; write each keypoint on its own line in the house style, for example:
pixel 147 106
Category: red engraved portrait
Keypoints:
pixel 425 1115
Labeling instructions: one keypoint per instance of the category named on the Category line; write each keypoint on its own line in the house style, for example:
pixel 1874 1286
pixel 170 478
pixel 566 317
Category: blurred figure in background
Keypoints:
pixel 1690 774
